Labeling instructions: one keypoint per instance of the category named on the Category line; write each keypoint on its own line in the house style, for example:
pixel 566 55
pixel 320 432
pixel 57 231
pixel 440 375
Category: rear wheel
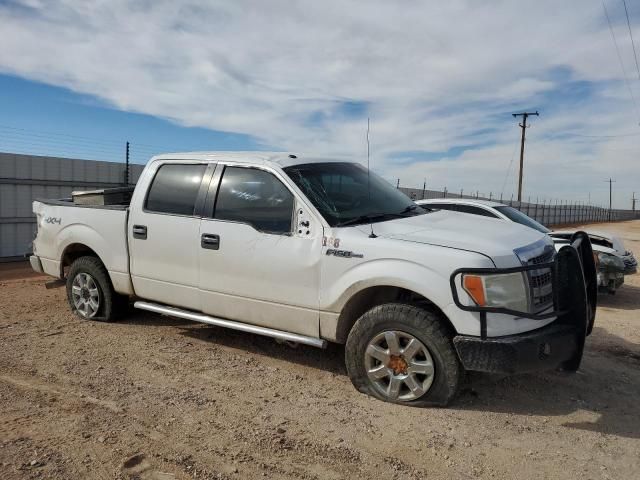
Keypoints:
pixel 85 295
pixel 403 354
pixel 90 293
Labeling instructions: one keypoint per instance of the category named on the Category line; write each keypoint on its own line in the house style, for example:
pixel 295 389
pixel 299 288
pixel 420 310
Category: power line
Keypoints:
pixel 78 138
pixel 506 176
pixel 624 72
pixel 21 143
pixel 43 134
pixel 53 145
pixel 57 141
pixel 599 136
pixel 47 143
pixel 633 45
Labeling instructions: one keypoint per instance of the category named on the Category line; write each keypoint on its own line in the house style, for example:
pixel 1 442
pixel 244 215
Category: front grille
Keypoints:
pixel 540 281
pixel 546 257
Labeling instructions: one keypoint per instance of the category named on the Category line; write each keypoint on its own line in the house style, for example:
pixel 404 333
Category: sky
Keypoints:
pixel 438 80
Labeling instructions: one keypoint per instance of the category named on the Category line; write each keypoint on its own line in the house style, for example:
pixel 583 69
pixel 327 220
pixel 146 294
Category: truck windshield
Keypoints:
pixel 519 217
pixel 346 194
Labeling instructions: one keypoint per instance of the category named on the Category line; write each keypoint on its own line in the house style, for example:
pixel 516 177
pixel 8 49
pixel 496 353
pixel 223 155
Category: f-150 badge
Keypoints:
pixel 343 253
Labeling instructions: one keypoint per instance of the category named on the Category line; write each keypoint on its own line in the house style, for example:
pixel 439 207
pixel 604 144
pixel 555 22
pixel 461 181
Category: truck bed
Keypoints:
pixel 117 198
pixel 62 225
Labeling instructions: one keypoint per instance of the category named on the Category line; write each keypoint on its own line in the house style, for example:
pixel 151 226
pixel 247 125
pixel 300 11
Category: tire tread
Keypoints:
pixel 426 321
pixel 113 304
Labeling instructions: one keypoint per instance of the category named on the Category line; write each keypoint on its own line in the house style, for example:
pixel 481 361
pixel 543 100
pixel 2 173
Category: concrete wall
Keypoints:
pixel 24 178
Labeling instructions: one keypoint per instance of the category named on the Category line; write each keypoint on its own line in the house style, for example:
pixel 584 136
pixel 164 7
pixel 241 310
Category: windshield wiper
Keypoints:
pixel 378 216
pixel 409 208
pixel 368 218
pixel 412 208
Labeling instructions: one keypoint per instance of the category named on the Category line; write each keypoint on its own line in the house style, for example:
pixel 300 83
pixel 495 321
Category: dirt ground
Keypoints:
pixel 153 397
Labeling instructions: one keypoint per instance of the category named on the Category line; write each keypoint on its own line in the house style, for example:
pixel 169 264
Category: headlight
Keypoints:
pixel 609 261
pixel 507 290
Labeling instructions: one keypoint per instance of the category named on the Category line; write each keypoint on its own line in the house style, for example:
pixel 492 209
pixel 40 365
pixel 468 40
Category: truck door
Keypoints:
pixel 164 234
pixel 259 252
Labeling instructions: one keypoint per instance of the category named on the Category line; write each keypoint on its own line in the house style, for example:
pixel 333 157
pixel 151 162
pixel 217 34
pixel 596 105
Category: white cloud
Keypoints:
pixel 433 75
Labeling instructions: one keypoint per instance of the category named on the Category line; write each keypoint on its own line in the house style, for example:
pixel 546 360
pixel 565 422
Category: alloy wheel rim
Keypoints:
pixel 399 366
pixel 85 295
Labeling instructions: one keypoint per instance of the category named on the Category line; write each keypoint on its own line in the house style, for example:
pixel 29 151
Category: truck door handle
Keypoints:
pixel 210 242
pixel 140 231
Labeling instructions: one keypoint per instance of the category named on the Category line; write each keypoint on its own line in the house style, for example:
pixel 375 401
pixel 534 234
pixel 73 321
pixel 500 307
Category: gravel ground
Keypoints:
pixel 154 397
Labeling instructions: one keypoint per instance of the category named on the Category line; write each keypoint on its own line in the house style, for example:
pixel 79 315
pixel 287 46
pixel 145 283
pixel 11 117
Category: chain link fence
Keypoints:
pixel 548 213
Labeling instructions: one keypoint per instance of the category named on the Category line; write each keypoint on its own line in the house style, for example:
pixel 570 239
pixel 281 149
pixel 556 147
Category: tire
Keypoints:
pixel 90 293
pixel 365 352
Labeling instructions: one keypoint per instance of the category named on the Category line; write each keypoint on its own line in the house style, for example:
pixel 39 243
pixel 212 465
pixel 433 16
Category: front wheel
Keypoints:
pixel 403 354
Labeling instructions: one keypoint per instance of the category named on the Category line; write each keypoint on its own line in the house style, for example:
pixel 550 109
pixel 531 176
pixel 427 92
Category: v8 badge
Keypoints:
pixel 330 242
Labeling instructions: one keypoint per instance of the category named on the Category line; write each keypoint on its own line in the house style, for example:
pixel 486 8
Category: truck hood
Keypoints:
pixel 494 238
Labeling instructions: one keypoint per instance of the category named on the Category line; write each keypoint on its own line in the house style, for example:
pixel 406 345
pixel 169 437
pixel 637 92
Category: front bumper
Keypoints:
pixel 561 343
pixel 543 349
pixel 36 264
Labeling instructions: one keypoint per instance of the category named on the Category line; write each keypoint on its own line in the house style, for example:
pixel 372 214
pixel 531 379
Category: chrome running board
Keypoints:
pixel 219 322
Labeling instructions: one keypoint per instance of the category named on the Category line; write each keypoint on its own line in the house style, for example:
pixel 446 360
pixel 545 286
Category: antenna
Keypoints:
pixel 371 235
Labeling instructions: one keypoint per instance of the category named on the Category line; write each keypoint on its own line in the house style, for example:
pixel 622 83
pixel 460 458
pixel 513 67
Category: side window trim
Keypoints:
pixel 205 179
pixel 214 191
pixel 209 173
pixel 476 210
pixel 490 213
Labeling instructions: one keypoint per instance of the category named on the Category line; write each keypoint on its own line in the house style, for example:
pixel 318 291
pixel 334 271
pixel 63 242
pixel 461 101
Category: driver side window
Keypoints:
pixel 255 197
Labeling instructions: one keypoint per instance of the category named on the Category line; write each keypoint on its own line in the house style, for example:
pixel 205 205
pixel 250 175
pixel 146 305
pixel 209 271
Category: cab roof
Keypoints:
pixel 280 159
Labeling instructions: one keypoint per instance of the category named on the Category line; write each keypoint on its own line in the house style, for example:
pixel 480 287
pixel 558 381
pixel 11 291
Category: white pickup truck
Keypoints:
pixel 313 250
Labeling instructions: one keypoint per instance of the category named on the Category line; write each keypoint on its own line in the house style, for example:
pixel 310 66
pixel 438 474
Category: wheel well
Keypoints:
pixel 371 297
pixel 72 253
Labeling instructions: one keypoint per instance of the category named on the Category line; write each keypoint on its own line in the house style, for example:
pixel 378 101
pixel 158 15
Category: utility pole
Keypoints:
pixel 126 168
pixel 524 126
pixel 611 182
pixel 633 202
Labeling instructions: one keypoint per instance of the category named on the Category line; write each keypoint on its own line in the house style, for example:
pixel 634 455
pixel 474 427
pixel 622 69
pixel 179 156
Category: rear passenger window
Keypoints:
pixel 175 188
pixel 255 197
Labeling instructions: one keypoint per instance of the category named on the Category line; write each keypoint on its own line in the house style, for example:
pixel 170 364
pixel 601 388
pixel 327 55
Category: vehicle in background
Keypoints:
pixel 607 240
pixel 314 251
pixel 612 264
